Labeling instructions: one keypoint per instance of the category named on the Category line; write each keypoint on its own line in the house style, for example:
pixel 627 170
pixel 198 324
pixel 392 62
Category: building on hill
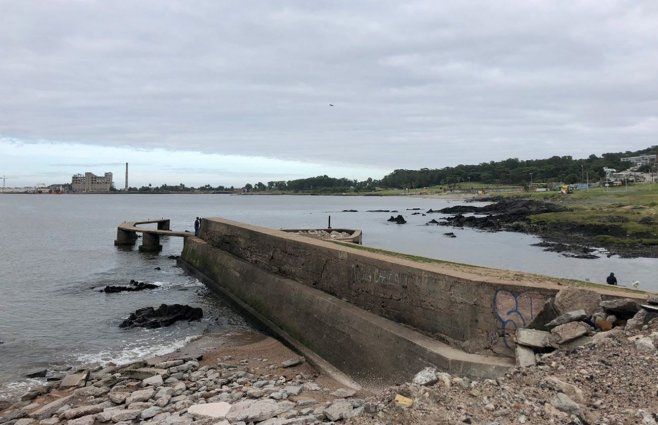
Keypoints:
pixel 89 182
pixel 640 160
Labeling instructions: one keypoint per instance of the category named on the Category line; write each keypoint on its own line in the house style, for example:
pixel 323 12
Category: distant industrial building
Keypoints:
pixel 640 160
pixel 89 182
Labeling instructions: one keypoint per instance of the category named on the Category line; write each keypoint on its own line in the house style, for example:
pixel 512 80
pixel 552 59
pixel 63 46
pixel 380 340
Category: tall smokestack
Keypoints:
pixel 126 176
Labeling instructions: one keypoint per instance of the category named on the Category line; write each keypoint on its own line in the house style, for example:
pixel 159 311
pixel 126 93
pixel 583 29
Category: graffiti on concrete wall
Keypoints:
pixel 515 311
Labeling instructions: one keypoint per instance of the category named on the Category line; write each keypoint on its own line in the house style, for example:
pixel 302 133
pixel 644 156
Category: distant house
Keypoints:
pixel 640 160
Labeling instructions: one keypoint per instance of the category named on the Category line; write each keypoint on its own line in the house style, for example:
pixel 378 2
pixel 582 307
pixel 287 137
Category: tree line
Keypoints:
pixel 512 171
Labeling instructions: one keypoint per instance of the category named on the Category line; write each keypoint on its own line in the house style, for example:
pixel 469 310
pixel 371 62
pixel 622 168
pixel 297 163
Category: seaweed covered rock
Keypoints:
pixel 134 286
pixel 165 315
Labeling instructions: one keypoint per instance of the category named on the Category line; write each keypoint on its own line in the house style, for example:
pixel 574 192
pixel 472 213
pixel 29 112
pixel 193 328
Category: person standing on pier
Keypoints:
pixel 197 224
pixel 612 280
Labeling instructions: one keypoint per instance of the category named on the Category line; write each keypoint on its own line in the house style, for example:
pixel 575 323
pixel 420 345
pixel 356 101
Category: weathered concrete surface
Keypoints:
pixel 368 347
pixel 473 308
pixel 349 305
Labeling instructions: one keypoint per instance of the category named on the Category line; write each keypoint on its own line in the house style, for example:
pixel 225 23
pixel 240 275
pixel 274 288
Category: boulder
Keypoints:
pixel 533 338
pixel 257 411
pixel 343 393
pixel 150 412
pixel 426 376
pixel 134 286
pixel 37 373
pixel 338 410
pixel 570 316
pixel 74 379
pixel 209 410
pixel 570 331
pixel 49 409
pixel 84 420
pixel 603 324
pixel 165 315
pixel 140 395
pixel 399 219
pixel 83 411
pixel 525 356
pixel 624 308
pixel 570 390
pixel 652 299
pixel 645 345
pixel 563 403
pixel 637 321
pixel 125 415
pixel 155 381
pixel 570 299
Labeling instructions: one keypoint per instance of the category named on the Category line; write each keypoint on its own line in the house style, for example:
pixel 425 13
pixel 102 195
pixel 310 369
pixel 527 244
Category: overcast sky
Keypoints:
pixel 225 92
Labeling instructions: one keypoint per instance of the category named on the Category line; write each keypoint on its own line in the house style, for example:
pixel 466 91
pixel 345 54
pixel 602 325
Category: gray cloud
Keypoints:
pixel 414 84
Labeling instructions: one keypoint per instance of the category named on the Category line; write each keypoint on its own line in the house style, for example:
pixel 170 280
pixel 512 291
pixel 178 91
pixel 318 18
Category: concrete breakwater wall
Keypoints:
pixel 365 312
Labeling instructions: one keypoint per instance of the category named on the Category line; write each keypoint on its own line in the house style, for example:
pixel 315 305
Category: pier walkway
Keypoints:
pixel 127 234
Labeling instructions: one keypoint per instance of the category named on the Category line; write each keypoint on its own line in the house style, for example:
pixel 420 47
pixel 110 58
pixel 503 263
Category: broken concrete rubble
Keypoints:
pixel 533 338
pixel 570 299
pixel 621 307
pixel 570 316
pixel 570 331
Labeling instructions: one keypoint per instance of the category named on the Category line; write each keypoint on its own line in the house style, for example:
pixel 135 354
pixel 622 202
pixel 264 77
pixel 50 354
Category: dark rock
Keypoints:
pixel 174 257
pixel 350 211
pixel 432 221
pixel 157 268
pixel 399 219
pixel 460 209
pixel 506 214
pixel 165 315
pixel 623 308
pixel 37 373
pixel 450 235
pixel 378 211
pixel 134 286
pixel 413 209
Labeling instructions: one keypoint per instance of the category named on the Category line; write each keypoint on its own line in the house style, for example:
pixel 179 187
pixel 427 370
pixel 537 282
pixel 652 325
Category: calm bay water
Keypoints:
pixel 57 251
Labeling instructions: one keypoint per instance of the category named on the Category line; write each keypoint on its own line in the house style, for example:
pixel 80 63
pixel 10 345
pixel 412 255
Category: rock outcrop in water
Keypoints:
pixel 399 219
pixel 165 315
pixel 134 286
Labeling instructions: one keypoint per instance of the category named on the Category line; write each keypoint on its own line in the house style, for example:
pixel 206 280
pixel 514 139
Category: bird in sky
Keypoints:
pixel 331 104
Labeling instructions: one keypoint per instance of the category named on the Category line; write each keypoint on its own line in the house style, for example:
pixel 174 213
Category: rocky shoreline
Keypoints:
pixel 604 375
pixel 514 215
pixel 232 384
pixel 569 373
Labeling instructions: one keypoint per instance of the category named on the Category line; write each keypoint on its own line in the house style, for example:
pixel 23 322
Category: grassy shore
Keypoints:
pixel 626 218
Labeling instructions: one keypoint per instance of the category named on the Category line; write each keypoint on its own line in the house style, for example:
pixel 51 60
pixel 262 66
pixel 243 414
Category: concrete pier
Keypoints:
pixel 127 234
pixel 150 242
pixel 377 317
pixel 125 238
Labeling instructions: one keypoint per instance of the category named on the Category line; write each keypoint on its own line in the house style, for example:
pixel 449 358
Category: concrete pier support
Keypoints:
pixel 164 225
pixel 125 238
pixel 150 243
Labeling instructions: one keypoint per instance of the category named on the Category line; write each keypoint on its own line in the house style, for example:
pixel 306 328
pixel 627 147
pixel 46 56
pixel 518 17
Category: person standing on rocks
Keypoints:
pixel 197 224
pixel 612 280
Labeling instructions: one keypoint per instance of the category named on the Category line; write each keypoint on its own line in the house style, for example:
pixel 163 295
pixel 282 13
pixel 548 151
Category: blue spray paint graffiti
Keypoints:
pixel 515 311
